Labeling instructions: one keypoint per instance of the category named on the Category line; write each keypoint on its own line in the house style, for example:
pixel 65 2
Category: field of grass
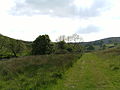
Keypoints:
pixel 94 71
pixel 34 72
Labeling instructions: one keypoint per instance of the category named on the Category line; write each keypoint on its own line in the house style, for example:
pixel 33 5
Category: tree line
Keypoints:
pixel 64 44
pixel 40 46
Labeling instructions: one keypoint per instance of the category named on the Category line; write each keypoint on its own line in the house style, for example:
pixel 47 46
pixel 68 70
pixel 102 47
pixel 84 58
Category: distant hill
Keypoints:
pixel 110 40
pixel 3 36
pixel 102 44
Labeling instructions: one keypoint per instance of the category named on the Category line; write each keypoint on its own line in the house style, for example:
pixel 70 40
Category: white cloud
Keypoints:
pixel 89 29
pixel 35 17
pixel 61 8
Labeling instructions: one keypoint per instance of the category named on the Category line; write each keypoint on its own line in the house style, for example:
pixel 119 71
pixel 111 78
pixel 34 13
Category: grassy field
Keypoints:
pixel 34 72
pixel 94 71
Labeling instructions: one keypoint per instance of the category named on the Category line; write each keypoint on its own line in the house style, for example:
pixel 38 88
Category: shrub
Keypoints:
pixel 42 45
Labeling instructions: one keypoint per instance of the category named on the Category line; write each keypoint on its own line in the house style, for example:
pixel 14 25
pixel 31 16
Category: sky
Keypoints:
pixel 91 19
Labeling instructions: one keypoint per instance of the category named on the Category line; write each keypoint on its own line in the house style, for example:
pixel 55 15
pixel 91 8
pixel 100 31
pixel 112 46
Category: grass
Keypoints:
pixel 94 71
pixel 34 72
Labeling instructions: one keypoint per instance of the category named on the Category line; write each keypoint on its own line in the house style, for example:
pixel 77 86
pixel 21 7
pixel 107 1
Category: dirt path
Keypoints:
pixel 89 73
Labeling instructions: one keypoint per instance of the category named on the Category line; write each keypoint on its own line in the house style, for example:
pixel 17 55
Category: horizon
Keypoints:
pixel 56 41
pixel 91 19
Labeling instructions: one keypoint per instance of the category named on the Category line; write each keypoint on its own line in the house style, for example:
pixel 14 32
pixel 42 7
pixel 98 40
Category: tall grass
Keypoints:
pixel 34 72
pixel 112 56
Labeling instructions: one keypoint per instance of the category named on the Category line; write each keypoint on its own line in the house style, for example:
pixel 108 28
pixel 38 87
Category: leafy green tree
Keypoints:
pixel 42 45
pixel 10 47
pixel 14 46
pixel 2 46
pixel 2 43
pixel 72 45
pixel 61 45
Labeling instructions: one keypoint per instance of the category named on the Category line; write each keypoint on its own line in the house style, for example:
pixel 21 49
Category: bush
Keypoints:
pixel 42 45
pixel 61 45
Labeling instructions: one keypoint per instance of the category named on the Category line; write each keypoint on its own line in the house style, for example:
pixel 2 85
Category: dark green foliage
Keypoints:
pixel 78 48
pixel 61 51
pixel 12 48
pixel 114 67
pixel 42 45
pixel 57 75
pixel 104 47
pixel 89 47
pixel 69 49
pixel 15 46
pixel 61 45
pixel 116 44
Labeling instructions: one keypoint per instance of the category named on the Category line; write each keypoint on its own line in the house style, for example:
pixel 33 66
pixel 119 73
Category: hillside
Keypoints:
pixel 10 47
pixel 6 37
pixel 102 44
pixel 110 40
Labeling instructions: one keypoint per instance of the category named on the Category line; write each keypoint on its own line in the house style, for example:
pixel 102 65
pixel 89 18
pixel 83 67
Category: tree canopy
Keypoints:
pixel 42 45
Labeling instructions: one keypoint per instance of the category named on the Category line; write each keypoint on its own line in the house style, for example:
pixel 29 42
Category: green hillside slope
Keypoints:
pixel 102 44
pixel 10 47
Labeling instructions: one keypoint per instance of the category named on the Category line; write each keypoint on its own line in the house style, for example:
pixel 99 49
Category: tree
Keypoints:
pixel 10 47
pixel 2 46
pixel 73 42
pixel 69 39
pixel 89 47
pixel 42 45
pixel 75 38
pixel 2 43
pixel 61 45
pixel 61 38
pixel 76 41
pixel 14 46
